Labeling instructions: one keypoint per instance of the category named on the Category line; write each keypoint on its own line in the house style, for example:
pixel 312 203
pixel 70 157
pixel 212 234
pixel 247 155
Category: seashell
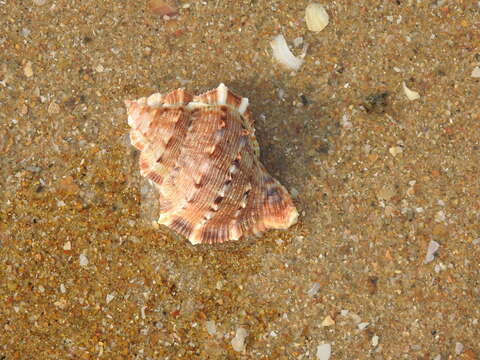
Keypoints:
pixel 201 154
pixel 316 17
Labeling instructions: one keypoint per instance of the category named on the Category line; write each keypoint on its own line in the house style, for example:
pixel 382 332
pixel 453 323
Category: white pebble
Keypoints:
pixel 324 351
pixel 316 17
pixel 63 290
pixel 433 247
pixel 363 325
pixel 374 340
pixel 314 289
pixel 67 246
pixel 411 95
pixel 83 260
pixel 211 327
pixel 238 342
pixel 458 348
pixel 476 72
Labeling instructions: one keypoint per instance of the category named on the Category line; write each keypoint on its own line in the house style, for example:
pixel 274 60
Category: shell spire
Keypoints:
pixel 202 155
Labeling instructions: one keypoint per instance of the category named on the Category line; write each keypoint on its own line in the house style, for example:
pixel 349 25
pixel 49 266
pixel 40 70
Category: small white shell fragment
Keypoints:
pixel 433 247
pixel 328 321
pixel 67 246
pixel 109 298
pixel 324 351
pixel 411 95
pixel 238 342
pixel 283 55
pixel 374 340
pixel 476 72
pixel 83 260
pixel 314 289
pixel 363 325
pixel 316 17
pixel 211 327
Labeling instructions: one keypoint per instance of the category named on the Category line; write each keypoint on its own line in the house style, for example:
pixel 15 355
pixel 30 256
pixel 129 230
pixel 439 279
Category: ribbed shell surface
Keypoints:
pixel 202 155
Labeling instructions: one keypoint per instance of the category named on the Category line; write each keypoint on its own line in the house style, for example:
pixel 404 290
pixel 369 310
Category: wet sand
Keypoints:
pixel 376 177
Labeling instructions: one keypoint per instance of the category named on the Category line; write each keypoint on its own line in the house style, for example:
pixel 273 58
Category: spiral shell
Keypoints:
pixel 201 154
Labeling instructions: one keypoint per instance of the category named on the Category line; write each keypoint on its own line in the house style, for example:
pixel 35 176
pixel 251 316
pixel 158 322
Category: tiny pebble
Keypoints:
pixel 476 72
pixel 238 342
pixel 374 340
pixel 67 246
pixel 458 348
pixel 440 216
pixel 328 321
pixel 294 192
pixel 316 17
pixel 39 2
pixel 324 351
pixel 314 289
pixel 63 290
pixel 476 241
pixel 109 298
pixel 83 260
pixel 27 69
pixel 363 325
pixel 395 150
pixel 433 247
pixel 26 32
pixel 298 41
pixel 211 327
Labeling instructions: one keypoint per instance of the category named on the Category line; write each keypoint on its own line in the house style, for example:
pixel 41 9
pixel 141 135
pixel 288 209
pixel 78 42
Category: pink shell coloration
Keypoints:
pixel 202 155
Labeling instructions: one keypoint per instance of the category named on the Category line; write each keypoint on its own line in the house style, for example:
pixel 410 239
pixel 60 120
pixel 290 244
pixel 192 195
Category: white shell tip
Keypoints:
pixel 154 100
pixel 243 106
pixel 222 92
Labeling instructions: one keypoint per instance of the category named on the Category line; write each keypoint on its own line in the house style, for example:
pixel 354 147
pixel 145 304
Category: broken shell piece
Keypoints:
pixel 238 342
pixel 283 55
pixel 316 17
pixel 411 95
pixel 201 154
pixel 476 72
